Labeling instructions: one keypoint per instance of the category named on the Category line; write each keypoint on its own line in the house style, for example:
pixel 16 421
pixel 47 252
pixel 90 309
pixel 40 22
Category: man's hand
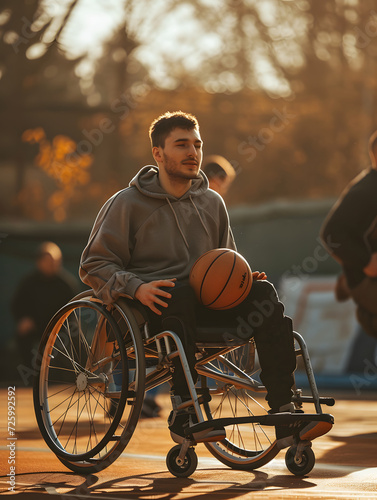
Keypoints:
pixel 259 276
pixel 149 293
pixel 371 268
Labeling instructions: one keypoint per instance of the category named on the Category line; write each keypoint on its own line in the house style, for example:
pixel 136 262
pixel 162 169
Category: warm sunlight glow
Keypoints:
pixel 62 163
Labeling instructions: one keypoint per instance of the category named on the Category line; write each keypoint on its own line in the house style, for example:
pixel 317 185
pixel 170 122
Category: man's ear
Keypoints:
pixel 157 153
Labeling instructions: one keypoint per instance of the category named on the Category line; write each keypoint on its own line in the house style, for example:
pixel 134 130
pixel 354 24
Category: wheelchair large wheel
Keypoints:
pixel 89 369
pixel 246 446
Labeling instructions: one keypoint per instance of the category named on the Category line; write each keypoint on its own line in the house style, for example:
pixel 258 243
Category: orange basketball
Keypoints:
pixel 221 278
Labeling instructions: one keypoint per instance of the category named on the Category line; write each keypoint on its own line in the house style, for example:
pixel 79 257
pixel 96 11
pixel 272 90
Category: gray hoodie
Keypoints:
pixel 143 234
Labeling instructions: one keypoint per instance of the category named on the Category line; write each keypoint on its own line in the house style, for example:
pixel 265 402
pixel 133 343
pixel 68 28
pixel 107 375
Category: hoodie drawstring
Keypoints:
pixel 200 217
pixel 177 222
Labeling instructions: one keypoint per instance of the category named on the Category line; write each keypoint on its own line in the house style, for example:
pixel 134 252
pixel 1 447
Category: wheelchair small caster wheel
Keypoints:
pixel 178 467
pixel 301 463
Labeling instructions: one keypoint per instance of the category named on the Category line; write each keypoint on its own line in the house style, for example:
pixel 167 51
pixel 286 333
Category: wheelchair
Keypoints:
pixel 97 362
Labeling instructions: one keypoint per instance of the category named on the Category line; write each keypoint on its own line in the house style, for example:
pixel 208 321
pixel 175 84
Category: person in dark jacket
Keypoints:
pixel 350 235
pixel 38 297
pixel 144 243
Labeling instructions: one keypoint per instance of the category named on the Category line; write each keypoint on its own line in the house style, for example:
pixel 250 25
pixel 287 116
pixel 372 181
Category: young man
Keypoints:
pixel 146 239
pixel 350 233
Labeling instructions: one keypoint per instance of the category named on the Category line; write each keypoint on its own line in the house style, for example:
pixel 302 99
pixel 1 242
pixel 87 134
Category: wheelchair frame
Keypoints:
pixel 104 368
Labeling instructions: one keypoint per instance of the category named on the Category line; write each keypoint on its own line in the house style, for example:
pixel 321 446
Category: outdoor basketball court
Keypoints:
pixel 346 463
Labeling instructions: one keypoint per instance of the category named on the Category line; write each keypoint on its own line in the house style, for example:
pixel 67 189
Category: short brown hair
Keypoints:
pixel 162 126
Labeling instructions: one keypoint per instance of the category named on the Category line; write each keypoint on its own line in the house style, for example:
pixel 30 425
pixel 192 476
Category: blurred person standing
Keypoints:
pixel 350 236
pixel 38 297
pixel 220 173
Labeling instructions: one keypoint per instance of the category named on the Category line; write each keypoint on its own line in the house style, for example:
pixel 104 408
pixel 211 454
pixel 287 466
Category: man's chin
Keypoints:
pixel 190 175
pixel 194 174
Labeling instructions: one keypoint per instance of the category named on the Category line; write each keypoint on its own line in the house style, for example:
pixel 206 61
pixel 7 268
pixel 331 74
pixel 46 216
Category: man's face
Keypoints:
pixel 182 154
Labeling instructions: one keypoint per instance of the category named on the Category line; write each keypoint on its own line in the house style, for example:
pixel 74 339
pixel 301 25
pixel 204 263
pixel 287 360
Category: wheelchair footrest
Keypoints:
pixel 310 399
pixel 276 419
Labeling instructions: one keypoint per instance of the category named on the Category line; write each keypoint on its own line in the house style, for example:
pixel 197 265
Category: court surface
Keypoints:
pixel 346 462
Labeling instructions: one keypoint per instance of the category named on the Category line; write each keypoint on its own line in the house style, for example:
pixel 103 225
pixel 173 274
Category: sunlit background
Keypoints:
pixel 285 90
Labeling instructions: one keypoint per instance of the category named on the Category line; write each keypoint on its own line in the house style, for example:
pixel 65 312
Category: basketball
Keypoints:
pixel 221 278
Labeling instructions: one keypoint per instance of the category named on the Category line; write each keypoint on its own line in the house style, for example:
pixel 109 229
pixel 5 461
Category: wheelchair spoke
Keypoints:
pixel 75 427
pixel 75 364
pixel 104 398
pixel 66 354
pixel 82 336
pixel 73 348
pixel 65 415
pixel 91 422
pixel 61 368
pixel 60 391
pixel 61 402
pixel 233 407
pixel 65 412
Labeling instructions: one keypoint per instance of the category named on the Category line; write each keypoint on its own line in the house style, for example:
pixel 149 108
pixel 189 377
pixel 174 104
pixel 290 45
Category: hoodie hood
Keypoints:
pixel 147 182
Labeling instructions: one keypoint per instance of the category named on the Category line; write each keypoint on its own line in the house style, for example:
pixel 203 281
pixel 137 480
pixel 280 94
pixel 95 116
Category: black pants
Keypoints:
pixel 260 315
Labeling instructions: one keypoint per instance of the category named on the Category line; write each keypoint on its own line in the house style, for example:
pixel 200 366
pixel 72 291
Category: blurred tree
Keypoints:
pixel 119 83
pixel 42 86
pixel 34 75
pixel 281 47
pixel 61 163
